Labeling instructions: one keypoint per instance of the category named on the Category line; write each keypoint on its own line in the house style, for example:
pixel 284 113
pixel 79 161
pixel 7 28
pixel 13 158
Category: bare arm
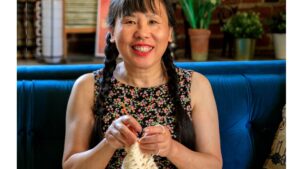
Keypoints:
pixel 206 125
pixel 79 126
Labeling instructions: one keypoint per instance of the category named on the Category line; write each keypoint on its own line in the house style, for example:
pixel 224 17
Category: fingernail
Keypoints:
pixel 146 130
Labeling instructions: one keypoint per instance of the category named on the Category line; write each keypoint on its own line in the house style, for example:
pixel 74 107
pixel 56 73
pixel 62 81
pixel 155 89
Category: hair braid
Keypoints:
pixel 111 54
pixel 184 127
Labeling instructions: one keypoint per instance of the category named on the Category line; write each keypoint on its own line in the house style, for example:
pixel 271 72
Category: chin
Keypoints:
pixel 144 63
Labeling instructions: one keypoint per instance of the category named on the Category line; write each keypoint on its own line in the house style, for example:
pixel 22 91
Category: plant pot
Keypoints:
pixel 279 40
pixel 199 39
pixel 244 49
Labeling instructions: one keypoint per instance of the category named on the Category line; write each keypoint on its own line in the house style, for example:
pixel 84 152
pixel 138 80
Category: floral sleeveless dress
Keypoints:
pixel 149 106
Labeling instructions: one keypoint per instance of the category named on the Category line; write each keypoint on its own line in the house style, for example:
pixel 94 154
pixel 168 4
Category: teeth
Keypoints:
pixel 142 48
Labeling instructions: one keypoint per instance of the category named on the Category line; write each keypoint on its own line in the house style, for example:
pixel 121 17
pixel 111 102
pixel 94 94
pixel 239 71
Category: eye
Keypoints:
pixel 153 22
pixel 129 22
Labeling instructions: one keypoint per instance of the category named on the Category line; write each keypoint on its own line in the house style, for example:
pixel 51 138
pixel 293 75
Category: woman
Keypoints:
pixel 172 110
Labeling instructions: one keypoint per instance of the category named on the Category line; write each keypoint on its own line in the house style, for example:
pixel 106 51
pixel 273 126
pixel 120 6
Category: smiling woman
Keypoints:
pixel 145 102
pixel 142 35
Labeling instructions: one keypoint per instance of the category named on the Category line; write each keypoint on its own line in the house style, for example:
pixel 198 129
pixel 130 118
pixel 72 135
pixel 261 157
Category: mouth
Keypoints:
pixel 142 49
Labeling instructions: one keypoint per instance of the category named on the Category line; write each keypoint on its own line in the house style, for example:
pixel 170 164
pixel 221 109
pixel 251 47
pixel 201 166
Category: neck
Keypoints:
pixel 139 77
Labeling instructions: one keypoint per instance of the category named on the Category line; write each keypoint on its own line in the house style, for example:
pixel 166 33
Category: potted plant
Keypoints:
pixel 278 29
pixel 246 27
pixel 198 14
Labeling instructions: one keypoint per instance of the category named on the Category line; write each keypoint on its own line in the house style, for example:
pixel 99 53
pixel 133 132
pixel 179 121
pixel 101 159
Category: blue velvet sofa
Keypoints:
pixel 249 96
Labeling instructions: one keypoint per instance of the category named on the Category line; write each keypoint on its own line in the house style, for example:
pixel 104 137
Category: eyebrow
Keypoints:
pixel 148 15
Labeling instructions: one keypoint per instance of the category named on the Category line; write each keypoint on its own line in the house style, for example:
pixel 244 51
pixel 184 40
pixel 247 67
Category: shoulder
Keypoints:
pixel 194 77
pixel 83 88
pixel 85 80
pixel 81 99
pixel 200 88
pixel 89 79
pixel 199 80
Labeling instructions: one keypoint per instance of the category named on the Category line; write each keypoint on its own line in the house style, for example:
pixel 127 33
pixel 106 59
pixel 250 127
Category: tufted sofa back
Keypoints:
pixel 249 96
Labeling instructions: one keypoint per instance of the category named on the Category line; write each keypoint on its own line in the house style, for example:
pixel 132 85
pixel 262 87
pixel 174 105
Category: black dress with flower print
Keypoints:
pixel 149 106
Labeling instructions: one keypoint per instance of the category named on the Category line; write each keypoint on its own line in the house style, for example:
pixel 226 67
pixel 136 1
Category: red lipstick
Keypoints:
pixel 142 49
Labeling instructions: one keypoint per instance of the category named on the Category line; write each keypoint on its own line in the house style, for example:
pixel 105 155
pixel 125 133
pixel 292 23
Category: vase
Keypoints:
pixel 279 45
pixel 245 48
pixel 199 39
pixel 52 31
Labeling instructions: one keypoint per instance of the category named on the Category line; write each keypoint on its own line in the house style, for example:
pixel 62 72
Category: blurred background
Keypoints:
pixel 71 31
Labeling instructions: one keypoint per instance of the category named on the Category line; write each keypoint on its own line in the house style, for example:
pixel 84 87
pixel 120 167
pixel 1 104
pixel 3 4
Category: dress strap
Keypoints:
pixel 184 85
pixel 98 74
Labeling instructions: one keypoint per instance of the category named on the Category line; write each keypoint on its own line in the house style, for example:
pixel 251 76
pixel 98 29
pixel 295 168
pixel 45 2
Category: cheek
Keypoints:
pixel 120 33
pixel 162 36
pixel 162 40
pixel 120 37
pixel 122 40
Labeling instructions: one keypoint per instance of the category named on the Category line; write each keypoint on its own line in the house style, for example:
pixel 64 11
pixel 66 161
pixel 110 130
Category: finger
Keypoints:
pixel 159 129
pixel 118 136
pixel 113 142
pixel 130 121
pixel 155 149
pixel 156 138
pixel 126 133
pixel 149 147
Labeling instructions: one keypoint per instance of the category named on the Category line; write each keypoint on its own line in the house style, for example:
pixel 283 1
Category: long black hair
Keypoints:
pixel 118 8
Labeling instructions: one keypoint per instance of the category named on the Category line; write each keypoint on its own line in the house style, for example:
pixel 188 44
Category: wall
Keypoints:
pixel 84 44
pixel 264 46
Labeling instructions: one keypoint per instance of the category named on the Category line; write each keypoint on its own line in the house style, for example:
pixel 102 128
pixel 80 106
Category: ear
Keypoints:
pixel 111 31
pixel 171 35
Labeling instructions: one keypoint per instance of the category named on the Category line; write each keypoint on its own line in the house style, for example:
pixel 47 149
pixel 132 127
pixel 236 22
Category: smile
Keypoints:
pixel 142 49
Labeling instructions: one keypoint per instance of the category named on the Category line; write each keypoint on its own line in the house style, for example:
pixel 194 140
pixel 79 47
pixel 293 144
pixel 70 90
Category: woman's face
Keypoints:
pixel 142 38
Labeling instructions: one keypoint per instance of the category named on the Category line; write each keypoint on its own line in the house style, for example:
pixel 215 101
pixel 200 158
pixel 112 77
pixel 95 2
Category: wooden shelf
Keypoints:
pixel 80 30
pixel 74 31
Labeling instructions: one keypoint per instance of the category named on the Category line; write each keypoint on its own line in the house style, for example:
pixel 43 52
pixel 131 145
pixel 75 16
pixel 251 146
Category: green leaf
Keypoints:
pixel 198 12
pixel 244 25
pixel 189 12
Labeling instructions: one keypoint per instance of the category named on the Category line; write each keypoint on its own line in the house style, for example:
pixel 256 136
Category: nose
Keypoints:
pixel 142 31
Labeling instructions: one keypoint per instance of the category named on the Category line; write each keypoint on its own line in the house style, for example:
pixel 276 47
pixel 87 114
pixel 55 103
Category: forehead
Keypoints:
pixel 128 7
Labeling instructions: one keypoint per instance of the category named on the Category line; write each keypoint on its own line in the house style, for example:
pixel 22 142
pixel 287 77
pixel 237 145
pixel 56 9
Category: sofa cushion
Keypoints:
pixel 41 122
pixel 249 97
pixel 246 105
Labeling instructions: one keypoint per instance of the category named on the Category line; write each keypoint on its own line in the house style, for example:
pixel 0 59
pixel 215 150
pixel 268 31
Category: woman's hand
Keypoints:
pixel 157 140
pixel 123 132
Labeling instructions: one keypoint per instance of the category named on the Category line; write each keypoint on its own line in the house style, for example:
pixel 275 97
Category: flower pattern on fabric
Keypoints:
pixel 149 106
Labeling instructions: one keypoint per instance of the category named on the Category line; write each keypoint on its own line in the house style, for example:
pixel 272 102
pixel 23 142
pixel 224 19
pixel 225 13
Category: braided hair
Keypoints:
pixel 184 128
pixel 111 52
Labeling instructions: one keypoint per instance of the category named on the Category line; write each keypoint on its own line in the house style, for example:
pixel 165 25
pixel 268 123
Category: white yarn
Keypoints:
pixel 136 159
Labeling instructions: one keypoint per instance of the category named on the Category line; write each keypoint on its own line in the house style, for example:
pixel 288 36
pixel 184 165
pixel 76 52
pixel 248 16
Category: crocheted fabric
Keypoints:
pixel 135 159
pixel 149 106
